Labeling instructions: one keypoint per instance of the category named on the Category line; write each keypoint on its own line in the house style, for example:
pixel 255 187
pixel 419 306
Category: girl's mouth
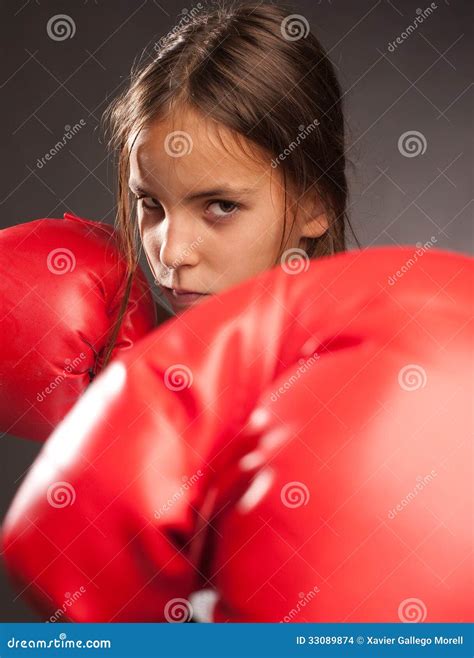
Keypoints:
pixel 183 298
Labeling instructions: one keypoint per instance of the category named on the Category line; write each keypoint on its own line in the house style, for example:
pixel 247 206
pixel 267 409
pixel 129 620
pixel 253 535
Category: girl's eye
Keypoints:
pixel 223 208
pixel 220 208
pixel 149 205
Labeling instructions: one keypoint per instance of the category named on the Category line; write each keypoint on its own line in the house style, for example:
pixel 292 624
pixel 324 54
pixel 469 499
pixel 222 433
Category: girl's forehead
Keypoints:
pixel 172 156
pixel 188 138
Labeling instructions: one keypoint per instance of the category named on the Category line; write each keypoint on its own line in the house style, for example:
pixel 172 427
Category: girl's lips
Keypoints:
pixel 183 298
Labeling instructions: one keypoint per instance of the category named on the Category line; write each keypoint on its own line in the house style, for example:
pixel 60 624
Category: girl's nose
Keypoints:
pixel 180 243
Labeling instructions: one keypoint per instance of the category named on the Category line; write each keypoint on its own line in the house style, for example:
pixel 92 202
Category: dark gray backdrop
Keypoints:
pixel 421 84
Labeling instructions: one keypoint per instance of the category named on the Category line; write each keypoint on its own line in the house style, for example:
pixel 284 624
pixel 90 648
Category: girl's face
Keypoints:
pixel 209 217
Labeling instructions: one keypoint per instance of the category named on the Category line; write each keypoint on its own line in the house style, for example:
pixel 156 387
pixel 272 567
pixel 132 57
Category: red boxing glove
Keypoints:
pixel 62 283
pixel 304 456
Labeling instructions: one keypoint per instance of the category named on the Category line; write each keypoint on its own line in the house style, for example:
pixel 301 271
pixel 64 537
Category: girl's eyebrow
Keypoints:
pixel 225 190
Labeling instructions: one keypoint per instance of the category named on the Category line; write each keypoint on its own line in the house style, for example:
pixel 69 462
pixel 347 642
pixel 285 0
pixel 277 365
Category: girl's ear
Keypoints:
pixel 316 226
pixel 314 221
pixel 313 228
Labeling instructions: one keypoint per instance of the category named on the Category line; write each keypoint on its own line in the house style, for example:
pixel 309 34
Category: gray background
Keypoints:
pixel 423 86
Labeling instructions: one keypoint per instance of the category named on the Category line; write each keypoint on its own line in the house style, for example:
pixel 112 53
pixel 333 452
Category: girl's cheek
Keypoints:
pixel 146 230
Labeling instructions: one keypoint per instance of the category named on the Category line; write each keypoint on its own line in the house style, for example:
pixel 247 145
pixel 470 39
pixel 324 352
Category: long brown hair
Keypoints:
pixel 256 69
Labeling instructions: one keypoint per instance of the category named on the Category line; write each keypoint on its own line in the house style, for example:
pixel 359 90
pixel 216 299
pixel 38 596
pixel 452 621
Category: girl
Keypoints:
pixel 230 147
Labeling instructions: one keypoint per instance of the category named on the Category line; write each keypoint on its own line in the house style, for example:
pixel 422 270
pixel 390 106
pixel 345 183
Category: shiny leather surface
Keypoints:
pixel 61 284
pixel 300 445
